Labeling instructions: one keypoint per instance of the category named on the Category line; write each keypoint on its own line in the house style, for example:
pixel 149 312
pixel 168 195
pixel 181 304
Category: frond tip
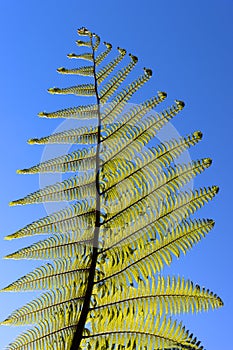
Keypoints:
pixel 83 31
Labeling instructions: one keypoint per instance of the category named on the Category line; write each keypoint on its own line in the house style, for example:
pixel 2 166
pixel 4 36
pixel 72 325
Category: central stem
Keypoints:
pixel 90 283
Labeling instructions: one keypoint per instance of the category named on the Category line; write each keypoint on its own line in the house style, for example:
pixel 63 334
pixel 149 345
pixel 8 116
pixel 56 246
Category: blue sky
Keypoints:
pixel 188 44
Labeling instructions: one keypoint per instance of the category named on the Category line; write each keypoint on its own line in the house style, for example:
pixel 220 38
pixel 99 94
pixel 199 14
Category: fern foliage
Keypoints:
pixel 129 216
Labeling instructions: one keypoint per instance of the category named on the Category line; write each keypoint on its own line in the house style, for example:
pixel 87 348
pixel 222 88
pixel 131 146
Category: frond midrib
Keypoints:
pixel 78 336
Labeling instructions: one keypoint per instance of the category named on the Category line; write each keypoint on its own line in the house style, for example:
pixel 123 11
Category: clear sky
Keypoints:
pixel 188 44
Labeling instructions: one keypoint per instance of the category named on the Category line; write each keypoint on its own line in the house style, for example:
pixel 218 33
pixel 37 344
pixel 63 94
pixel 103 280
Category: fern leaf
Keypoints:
pixel 103 73
pixel 138 136
pixel 89 56
pixel 161 155
pixel 58 246
pixel 130 218
pixel 80 112
pixel 60 300
pixel 83 71
pixel 50 276
pixel 55 333
pixel 150 179
pixel 161 296
pixel 79 90
pixel 148 253
pixel 135 189
pixel 79 215
pixel 74 188
pixel 108 90
pixel 97 42
pixel 117 105
pixel 74 136
pixel 76 161
pixel 164 214
pixel 135 113
pixel 83 31
pixel 83 43
pixel 99 59
pixel 150 333
pixel 83 56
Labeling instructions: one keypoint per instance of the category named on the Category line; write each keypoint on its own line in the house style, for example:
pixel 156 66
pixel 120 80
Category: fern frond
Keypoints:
pixel 79 90
pixel 74 188
pixel 83 43
pixel 87 71
pixel 134 138
pixel 80 112
pixel 152 212
pixel 89 56
pixel 99 59
pixel 60 245
pixel 147 255
pixel 76 216
pixel 103 73
pixel 129 218
pixel 150 179
pixel 162 156
pixel 76 161
pixel 89 43
pixel 162 295
pixel 108 90
pixel 97 42
pixel 144 184
pixel 131 333
pixel 83 56
pixel 168 151
pixel 51 276
pixel 83 31
pixel 115 107
pixel 55 333
pixel 53 302
pixel 88 135
pixel 81 135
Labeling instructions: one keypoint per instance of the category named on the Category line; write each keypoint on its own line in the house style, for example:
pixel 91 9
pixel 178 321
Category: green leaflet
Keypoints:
pixel 82 112
pixel 162 156
pixel 85 71
pixel 134 138
pixel 77 216
pixel 74 188
pixel 89 57
pixel 108 90
pixel 135 113
pixel 88 135
pixel 49 276
pixel 144 263
pixel 163 295
pixel 145 181
pixel 79 160
pixel 74 243
pixel 128 217
pixel 103 73
pixel 154 333
pixel 74 136
pixel 83 56
pixel 56 332
pixel 66 298
pixel 156 249
pixel 79 90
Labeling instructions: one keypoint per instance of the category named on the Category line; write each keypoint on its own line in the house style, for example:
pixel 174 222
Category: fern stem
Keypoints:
pixel 90 283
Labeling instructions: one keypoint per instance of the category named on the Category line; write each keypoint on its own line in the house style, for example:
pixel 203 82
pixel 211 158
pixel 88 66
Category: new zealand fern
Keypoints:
pixel 128 217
